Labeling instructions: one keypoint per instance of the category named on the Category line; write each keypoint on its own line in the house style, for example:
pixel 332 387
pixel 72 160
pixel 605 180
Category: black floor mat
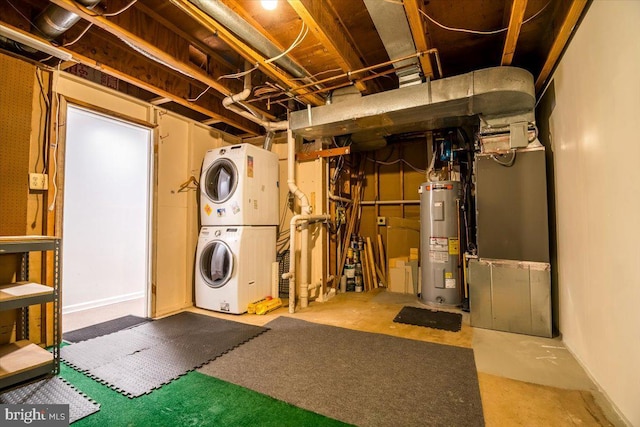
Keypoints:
pixel 138 360
pixel 104 328
pixel 430 318
pixel 51 391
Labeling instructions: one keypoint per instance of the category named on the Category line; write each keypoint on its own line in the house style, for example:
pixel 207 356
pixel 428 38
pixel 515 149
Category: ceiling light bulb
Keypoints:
pixel 269 4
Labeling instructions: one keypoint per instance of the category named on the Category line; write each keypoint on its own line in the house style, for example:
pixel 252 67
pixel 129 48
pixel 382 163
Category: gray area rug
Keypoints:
pixel 138 360
pixel 357 377
pixel 52 391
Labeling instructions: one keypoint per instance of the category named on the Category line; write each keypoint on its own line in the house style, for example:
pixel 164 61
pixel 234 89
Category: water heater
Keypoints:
pixel 439 243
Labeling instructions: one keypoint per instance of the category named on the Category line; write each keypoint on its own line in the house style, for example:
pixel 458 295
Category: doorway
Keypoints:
pixel 106 219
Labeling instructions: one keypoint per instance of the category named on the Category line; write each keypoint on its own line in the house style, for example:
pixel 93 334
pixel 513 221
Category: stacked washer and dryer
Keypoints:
pixel 239 218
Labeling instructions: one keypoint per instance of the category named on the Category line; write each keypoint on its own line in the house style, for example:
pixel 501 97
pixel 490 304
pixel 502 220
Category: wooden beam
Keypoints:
pixel 320 20
pixel 330 152
pixel 240 123
pixel 570 21
pixel 244 49
pixel 515 23
pixel 419 32
pixel 210 122
pixel 174 28
pixel 128 37
pixel 160 100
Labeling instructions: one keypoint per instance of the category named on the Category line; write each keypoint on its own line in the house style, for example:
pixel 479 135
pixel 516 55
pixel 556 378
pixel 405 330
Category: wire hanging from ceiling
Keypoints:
pixel 304 30
pixel 482 33
pixel 471 31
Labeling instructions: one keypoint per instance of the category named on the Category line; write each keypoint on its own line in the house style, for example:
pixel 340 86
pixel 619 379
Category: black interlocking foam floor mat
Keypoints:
pixel 138 360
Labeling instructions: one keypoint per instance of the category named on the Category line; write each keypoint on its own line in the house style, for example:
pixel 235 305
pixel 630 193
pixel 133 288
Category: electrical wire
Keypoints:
pixel 55 155
pixel 80 36
pixel 397 161
pixel 33 25
pixel 507 164
pixel 238 75
pixel 198 97
pixel 120 11
pixel 479 32
pixel 334 70
pixel 304 30
pixel 45 138
pixel 154 58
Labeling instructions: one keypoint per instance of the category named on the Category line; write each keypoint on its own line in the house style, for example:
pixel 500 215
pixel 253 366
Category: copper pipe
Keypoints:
pixel 338 86
pixel 348 74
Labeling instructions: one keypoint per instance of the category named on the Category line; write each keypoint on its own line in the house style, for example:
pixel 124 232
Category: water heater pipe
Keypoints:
pixel 291 274
pixel 291 174
pixel 232 102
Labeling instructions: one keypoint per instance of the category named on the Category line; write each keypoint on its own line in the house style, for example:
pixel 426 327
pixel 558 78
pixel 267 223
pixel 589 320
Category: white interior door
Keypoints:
pixel 106 211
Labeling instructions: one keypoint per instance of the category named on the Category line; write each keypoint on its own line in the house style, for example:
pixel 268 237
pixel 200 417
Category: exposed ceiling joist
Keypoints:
pixel 132 39
pixel 245 50
pixel 561 40
pixel 319 18
pixel 170 26
pixel 160 100
pixel 241 123
pixel 515 23
pixel 242 12
pixel 419 32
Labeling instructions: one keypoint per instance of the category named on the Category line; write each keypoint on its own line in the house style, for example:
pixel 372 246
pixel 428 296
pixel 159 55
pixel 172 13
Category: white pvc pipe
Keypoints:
pixel 291 175
pixel 338 198
pixel 231 103
pixel 291 275
pixel 304 264
pixel 275 280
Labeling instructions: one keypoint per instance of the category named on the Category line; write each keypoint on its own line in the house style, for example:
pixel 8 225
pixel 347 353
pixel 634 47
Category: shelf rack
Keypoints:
pixel 23 360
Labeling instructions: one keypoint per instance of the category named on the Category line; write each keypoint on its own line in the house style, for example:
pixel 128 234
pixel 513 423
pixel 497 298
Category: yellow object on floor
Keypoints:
pixel 267 306
pixel 251 308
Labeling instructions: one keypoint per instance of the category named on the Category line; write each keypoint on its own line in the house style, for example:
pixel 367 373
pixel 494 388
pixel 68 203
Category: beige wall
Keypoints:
pixel 310 179
pixel 594 138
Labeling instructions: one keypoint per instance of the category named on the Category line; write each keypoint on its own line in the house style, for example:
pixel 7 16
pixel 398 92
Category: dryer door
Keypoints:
pixel 216 264
pixel 221 180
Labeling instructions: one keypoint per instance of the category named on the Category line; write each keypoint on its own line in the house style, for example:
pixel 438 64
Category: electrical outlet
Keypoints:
pixel 38 181
pixel 382 220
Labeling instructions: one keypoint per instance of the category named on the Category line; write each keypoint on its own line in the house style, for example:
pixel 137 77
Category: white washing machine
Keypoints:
pixel 239 186
pixel 233 267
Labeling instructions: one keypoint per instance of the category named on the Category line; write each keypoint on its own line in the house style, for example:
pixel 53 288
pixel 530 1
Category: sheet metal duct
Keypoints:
pixel 54 20
pixel 494 93
pixel 392 25
pixel 241 28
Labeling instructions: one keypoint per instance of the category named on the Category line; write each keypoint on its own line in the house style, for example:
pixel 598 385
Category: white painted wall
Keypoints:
pixel 595 140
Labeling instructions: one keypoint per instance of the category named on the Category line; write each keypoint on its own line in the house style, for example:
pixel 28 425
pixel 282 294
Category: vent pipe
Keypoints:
pixel 241 28
pixel 53 21
pixel 393 27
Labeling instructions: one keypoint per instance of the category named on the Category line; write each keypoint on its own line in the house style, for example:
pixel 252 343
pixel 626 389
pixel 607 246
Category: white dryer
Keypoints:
pixel 239 186
pixel 233 267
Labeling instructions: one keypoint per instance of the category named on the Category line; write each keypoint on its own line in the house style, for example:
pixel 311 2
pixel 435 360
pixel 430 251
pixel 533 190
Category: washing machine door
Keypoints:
pixel 221 180
pixel 216 264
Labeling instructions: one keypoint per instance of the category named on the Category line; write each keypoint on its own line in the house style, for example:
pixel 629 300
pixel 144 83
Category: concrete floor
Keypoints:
pixel 524 380
pixel 84 318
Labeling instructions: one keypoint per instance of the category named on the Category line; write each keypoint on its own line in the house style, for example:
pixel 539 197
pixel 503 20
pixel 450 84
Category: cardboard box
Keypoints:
pixel 402 235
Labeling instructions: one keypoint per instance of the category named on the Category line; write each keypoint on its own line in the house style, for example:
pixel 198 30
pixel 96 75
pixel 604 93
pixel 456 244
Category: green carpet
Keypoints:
pixel 192 400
